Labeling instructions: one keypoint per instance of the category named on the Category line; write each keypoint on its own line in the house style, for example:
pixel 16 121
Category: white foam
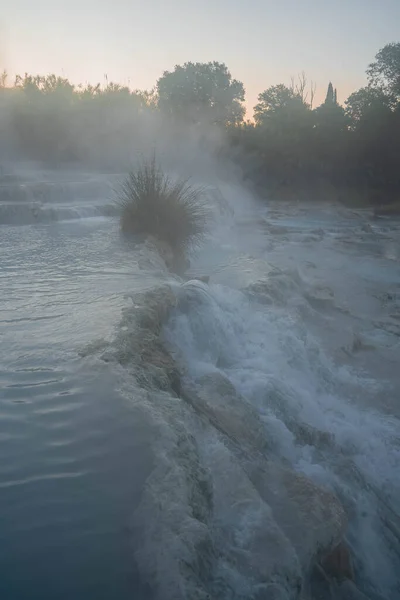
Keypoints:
pixel 273 361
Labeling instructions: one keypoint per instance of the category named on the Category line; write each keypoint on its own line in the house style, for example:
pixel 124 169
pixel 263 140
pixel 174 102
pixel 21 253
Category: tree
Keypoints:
pixel 384 73
pixel 279 103
pixel 330 117
pixel 42 113
pixel 375 148
pixel 202 91
pixel 330 95
pixel 366 104
pixel 301 88
pixel 284 125
pixel 55 88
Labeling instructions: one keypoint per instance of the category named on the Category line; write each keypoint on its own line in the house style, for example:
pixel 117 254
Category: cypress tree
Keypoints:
pixel 330 95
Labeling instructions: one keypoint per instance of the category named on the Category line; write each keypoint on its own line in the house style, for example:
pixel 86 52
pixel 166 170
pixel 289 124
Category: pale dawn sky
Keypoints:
pixel 263 42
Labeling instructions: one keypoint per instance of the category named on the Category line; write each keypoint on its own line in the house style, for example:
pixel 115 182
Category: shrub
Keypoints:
pixel 172 211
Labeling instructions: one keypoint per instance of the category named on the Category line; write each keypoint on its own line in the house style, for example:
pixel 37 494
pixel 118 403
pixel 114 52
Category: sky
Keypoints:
pixel 263 42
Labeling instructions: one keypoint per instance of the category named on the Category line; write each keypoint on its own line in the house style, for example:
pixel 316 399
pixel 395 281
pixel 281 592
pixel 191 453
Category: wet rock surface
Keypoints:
pixel 234 522
pixel 232 516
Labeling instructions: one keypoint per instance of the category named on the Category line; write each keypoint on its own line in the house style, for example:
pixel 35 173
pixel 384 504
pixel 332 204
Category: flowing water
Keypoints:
pixel 302 316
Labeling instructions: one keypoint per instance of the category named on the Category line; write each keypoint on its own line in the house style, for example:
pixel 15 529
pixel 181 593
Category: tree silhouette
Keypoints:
pixel 201 91
pixel 330 116
pixel 278 101
pixel 384 73
pixel 330 95
pixel 367 104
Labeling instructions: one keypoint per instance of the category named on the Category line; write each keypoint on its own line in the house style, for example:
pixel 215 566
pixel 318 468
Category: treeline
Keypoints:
pixel 48 119
pixel 352 151
pixel 291 145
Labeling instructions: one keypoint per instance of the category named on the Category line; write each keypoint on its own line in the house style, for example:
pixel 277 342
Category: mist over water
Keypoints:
pixel 110 482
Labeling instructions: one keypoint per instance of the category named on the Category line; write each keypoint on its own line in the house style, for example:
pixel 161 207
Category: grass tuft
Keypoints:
pixel 172 211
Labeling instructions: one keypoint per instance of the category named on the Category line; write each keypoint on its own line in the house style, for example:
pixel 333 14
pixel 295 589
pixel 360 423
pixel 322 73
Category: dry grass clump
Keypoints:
pixel 172 211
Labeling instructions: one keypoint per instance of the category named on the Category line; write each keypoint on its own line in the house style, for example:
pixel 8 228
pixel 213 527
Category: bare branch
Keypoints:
pixel 304 89
pixel 313 89
pixel 301 86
